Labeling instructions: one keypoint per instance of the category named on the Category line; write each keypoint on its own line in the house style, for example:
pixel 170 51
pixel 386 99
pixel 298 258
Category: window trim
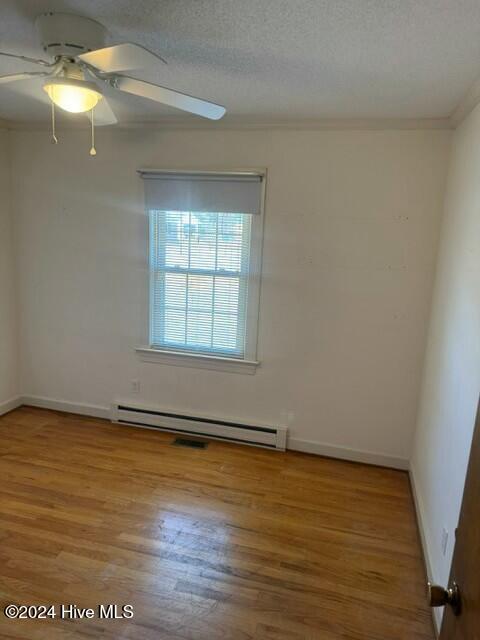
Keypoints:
pixel 197 360
pixel 249 363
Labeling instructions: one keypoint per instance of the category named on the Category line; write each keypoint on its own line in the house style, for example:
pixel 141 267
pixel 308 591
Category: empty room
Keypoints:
pixel 239 319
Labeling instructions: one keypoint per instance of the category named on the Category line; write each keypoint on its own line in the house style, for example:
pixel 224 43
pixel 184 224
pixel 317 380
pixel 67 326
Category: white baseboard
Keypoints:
pixel 10 405
pixel 420 513
pixel 68 407
pixel 307 446
pixel 345 453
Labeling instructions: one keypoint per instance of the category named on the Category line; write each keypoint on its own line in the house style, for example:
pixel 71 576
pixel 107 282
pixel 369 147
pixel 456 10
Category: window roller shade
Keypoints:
pixel 203 192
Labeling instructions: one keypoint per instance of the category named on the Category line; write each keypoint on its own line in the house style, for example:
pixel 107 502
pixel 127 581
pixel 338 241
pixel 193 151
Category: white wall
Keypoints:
pixel 451 381
pixel 8 337
pixel 351 233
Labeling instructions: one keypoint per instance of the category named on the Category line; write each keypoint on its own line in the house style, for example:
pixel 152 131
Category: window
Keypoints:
pixel 205 239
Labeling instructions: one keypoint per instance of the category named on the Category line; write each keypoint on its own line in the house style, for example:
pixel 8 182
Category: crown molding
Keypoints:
pixel 238 123
pixel 466 105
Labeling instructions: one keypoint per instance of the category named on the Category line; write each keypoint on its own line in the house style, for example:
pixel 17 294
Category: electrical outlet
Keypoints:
pixel 135 386
pixel 287 417
pixel 444 540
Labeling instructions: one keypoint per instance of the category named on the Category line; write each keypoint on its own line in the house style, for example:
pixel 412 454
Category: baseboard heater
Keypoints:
pixel 218 429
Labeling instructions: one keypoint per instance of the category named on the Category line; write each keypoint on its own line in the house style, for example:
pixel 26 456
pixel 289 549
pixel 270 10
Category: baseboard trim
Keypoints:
pixel 419 512
pixel 345 453
pixel 10 405
pixel 306 446
pixel 79 408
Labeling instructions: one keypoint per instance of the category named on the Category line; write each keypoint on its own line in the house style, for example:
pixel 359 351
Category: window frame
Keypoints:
pixel 248 363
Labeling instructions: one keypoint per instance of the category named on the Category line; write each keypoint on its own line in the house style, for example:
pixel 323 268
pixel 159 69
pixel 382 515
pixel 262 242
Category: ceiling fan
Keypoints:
pixel 81 66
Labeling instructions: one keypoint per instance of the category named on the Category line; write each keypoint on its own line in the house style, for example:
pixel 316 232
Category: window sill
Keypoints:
pixel 197 360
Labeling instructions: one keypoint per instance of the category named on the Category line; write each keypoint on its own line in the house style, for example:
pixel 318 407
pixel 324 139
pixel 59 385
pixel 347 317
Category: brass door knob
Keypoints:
pixel 439 597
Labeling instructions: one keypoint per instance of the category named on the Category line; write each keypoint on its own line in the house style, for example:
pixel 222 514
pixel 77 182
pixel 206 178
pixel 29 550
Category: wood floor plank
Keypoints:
pixel 226 543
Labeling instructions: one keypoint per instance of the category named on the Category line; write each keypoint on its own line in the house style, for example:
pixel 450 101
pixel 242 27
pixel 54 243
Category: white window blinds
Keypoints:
pixel 200 261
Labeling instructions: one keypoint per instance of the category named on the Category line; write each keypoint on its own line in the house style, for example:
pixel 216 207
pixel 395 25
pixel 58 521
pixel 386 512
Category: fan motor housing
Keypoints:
pixel 65 34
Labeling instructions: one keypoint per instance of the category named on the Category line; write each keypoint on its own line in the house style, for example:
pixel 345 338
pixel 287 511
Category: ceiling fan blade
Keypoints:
pixel 102 114
pixel 43 63
pixel 171 98
pixel 121 57
pixel 13 77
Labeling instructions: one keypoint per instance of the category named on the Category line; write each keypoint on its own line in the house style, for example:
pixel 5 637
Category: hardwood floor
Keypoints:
pixel 227 543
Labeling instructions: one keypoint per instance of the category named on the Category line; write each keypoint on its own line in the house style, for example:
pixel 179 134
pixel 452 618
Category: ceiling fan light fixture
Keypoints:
pixel 80 65
pixel 75 96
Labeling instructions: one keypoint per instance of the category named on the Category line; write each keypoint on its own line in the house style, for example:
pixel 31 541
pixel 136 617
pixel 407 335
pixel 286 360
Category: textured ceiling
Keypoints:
pixel 274 59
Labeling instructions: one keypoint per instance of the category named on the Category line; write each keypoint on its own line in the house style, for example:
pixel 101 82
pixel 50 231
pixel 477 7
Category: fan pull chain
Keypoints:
pixel 93 151
pixel 54 137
